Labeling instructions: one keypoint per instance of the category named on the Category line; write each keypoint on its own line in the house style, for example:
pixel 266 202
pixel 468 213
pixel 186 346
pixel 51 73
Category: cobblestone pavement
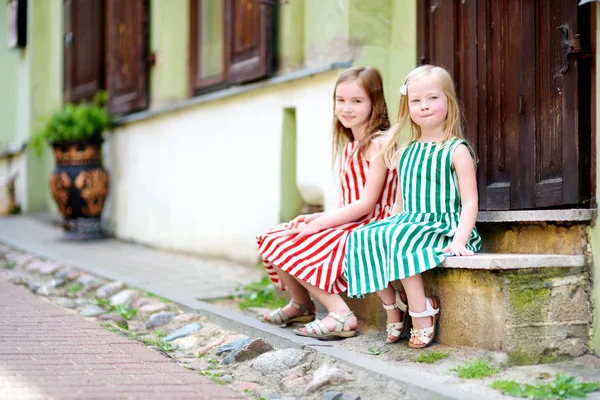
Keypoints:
pixel 49 353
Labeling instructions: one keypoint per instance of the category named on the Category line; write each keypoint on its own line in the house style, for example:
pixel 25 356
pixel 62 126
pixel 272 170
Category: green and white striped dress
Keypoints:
pixel 410 242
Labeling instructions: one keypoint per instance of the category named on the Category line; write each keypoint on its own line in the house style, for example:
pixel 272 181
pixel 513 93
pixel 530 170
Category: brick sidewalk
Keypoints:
pixel 49 353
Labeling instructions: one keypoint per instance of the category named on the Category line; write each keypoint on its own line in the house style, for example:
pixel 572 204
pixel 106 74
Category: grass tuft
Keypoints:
pixel 430 357
pixel 260 294
pixel 562 387
pixel 476 369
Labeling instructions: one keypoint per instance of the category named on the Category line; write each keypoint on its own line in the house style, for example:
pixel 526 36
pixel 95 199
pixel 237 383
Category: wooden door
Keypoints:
pixel 524 77
pixel 127 55
pixel 249 34
pixel 83 49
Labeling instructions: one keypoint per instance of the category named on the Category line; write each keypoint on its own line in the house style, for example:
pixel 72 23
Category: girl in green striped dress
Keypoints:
pixel 434 213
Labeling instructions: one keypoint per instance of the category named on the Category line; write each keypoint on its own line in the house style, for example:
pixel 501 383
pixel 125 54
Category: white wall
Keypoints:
pixel 206 180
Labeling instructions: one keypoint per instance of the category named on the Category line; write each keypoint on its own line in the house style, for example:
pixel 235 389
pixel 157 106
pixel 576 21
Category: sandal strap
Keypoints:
pixel 429 311
pixel 424 334
pixel 317 327
pixel 399 304
pixel 303 308
pixel 278 316
pixel 342 322
pixel 394 328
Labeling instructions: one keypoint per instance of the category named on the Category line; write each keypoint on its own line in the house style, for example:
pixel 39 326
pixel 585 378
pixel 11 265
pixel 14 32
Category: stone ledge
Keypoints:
pixel 514 261
pixel 537 215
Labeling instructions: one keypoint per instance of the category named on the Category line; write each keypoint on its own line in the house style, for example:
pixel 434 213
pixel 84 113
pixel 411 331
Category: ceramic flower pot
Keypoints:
pixel 79 185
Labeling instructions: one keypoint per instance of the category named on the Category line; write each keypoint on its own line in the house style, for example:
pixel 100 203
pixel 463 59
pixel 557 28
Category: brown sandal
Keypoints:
pixel 279 317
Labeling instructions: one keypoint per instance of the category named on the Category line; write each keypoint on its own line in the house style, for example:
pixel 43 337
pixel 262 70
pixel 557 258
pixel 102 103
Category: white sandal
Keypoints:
pixel 425 335
pixel 317 329
pixel 279 317
pixel 396 329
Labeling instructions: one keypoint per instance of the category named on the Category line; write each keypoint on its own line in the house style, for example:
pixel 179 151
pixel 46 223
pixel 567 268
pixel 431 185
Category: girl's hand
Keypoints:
pixel 293 224
pixel 312 217
pixel 458 249
pixel 306 230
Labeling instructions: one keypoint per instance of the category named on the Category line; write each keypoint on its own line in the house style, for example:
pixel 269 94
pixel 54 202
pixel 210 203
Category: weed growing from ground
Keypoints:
pixel 476 369
pixel 125 311
pixel 157 297
pixel 10 265
pixel 375 351
pixel 74 287
pixel 430 357
pixel 260 294
pixel 159 344
pixel 562 387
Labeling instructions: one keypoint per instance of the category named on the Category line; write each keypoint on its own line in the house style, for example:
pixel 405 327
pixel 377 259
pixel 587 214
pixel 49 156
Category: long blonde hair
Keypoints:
pixel 391 147
pixel 369 79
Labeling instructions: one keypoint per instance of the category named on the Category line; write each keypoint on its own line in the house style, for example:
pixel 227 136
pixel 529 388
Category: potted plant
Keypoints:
pixel 79 182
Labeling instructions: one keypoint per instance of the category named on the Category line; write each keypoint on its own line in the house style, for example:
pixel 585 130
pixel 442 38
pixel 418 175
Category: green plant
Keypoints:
pixel 562 387
pixel 160 334
pixel 260 294
pixel 159 343
pixel 73 122
pixel 212 376
pixel 157 297
pixel 10 265
pixel 375 351
pixel 74 287
pixel 476 369
pixel 430 357
pixel 123 310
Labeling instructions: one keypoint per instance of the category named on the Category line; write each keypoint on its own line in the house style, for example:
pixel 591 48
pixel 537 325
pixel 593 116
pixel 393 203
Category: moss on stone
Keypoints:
pixel 548 356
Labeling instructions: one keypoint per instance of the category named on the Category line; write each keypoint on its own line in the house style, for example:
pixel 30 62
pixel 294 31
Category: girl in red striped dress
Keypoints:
pixel 305 255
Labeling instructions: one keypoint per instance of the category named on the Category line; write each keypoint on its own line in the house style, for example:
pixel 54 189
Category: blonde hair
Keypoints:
pixel 369 79
pixel 452 126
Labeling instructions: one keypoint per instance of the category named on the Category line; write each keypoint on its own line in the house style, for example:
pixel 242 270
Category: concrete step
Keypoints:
pixel 535 307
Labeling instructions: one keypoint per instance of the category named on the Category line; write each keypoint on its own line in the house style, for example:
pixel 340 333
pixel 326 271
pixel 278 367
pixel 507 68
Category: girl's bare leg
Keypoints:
pixel 333 303
pixel 299 294
pixel 388 296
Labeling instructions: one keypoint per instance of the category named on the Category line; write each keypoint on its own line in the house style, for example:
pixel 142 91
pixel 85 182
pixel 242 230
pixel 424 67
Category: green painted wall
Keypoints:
pixel 43 60
pixel 595 231
pixel 8 83
pixel 169 40
pixel 290 34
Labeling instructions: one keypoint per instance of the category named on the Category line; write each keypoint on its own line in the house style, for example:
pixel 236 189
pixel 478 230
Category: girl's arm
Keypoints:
pixel 352 212
pixel 398 204
pixel 467 185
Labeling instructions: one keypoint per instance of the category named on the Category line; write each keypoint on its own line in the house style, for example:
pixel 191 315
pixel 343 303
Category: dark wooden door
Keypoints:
pixel 524 80
pixel 249 36
pixel 83 49
pixel 127 55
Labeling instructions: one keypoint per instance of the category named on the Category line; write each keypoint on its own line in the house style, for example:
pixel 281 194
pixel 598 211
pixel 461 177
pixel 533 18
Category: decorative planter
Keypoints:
pixel 79 185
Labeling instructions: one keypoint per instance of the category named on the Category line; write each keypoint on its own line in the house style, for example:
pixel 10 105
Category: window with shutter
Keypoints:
pixel 526 93
pixel 232 42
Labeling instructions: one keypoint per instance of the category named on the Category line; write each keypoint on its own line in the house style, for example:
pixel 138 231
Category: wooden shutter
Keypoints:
pixel 83 49
pixel 526 99
pixel 249 39
pixel 127 50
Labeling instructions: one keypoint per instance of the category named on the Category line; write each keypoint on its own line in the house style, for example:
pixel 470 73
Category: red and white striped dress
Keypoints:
pixel 318 259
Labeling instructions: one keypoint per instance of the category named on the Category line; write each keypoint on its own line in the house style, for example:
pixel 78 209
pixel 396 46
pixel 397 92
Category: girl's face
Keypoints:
pixel 352 105
pixel 427 103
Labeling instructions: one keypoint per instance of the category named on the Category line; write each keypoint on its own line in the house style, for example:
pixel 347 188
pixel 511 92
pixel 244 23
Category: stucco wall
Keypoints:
pixel 207 179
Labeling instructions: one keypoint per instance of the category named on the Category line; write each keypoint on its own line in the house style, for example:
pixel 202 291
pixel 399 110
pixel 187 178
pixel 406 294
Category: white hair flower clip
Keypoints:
pixel 403 90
